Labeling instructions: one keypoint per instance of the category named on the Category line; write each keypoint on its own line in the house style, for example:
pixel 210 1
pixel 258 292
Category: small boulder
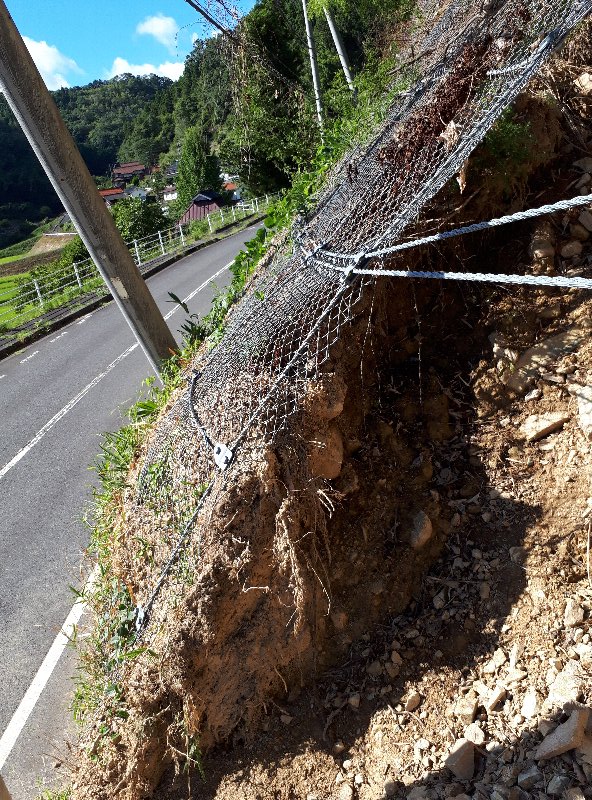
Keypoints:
pixel 565 737
pixel 537 426
pixel 461 760
pixel 585 220
pixel 572 249
pixel 421 532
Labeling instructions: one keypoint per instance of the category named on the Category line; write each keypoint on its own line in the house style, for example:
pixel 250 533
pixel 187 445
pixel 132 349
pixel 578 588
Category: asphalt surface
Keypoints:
pixel 57 397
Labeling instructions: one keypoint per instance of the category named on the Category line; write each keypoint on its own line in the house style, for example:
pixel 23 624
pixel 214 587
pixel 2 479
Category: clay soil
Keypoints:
pixel 491 610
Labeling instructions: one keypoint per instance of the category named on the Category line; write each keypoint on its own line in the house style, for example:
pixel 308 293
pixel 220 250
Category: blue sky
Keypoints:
pixel 74 42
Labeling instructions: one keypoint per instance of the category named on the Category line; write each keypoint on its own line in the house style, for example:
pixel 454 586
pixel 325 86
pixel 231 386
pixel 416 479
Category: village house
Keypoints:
pixel 202 204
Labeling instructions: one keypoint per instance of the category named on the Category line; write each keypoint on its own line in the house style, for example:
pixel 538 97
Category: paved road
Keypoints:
pixel 57 396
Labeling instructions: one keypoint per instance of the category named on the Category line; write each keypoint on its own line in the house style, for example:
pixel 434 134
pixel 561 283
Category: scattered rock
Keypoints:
pixel 585 220
pixel 345 792
pixel 574 794
pixel 557 785
pixel 530 777
pixel 529 703
pixel 466 709
pixel 574 613
pixel 583 394
pixel 584 83
pixel 338 748
pixel 579 231
pixel 374 669
pixel 566 687
pixel 390 788
pixel 572 249
pixel 585 164
pixel 417 793
pixel 354 700
pixel 461 759
pixel 413 701
pixel 537 426
pixel 422 531
pixel 496 696
pixel 543 355
pixel 474 734
pixel 566 737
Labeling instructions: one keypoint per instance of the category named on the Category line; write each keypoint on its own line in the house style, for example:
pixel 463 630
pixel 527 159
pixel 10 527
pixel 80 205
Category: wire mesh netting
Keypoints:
pixel 470 67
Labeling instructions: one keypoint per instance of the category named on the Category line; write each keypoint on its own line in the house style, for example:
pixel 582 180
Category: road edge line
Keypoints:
pixel 33 693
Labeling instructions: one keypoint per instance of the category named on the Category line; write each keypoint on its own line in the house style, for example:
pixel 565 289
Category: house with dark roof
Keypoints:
pixel 122 173
pixel 202 204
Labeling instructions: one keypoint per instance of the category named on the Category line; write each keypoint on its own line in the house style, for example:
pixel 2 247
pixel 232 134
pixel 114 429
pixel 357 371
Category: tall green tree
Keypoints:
pixel 198 170
pixel 136 218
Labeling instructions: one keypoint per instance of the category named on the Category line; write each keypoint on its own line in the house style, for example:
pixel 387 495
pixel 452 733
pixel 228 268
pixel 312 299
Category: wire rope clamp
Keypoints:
pixel 222 455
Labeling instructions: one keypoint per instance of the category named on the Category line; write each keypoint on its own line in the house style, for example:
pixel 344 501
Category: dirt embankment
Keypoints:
pixel 303 650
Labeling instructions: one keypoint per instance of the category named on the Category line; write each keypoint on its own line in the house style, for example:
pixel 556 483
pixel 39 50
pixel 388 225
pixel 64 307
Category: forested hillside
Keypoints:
pixel 247 102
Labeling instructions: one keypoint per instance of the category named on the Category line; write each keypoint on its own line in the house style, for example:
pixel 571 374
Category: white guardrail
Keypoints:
pixel 59 286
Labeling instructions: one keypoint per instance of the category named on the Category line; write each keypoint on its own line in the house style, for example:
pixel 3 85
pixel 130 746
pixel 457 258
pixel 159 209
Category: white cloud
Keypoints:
pixel 53 65
pixel 170 69
pixel 163 29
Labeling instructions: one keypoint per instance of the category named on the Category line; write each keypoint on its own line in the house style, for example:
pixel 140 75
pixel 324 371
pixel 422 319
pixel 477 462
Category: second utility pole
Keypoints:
pixel 43 126
pixel 313 67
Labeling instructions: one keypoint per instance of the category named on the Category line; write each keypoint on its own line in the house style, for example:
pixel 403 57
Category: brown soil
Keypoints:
pixel 354 581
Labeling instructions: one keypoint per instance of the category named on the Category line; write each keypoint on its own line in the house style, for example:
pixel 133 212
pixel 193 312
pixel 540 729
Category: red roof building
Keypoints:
pixel 111 196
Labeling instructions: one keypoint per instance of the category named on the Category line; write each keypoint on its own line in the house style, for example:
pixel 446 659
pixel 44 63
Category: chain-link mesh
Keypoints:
pixel 468 70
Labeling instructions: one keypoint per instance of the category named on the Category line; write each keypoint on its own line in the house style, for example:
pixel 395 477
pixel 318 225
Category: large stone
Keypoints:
pixel 421 532
pixel 585 219
pixel 566 687
pixel 461 760
pixel 325 457
pixel 583 394
pixel 584 83
pixel 542 355
pixel 537 426
pixel 530 777
pixel 566 737
pixel 574 613
pixel 585 164
pixel 572 249
pixel 557 785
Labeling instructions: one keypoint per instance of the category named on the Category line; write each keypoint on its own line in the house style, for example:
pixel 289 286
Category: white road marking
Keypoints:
pixel 33 693
pixel 199 288
pixel 84 318
pixel 62 412
pixel 2 376
pixel 59 336
pixel 28 358
pixel 70 405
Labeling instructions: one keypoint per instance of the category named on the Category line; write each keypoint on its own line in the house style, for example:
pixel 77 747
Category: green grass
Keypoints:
pixel 10 259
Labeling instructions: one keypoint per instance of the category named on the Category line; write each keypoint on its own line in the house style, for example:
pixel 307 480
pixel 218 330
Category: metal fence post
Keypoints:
pixel 161 243
pixel 221 217
pixel 77 275
pixel 233 214
pixel 137 249
pixel 209 223
pixel 181 235
pixel 39 295
pixel 256 204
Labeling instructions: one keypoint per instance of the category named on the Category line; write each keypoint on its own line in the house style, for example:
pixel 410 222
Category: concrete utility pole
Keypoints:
pixel 341 51
pixel 43 126
pixel 313 67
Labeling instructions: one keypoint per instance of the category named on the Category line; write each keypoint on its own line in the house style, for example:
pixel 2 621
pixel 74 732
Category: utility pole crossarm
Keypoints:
pixel 56 150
